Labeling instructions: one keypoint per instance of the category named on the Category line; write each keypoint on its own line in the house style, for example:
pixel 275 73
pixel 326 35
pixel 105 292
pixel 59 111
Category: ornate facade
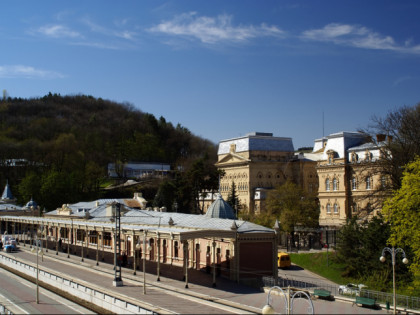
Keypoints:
pixel 216 242
pixel 343 168
pixel 257 163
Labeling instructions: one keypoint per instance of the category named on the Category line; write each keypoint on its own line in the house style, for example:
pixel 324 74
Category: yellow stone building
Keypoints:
pixel 350 178
pixel 343 168
pixel 258 162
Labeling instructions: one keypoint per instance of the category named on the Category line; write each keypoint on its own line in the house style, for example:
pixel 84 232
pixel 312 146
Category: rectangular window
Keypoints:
pixel 107 239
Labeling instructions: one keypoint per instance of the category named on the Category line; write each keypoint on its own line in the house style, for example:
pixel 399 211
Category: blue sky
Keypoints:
pixel 221 68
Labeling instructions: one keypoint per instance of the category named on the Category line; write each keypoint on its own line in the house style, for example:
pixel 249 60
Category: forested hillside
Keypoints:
pixel 67 142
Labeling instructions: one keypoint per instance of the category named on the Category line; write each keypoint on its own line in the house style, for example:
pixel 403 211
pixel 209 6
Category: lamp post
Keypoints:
pixel 288 301
pixel 37 269
pixel 393 251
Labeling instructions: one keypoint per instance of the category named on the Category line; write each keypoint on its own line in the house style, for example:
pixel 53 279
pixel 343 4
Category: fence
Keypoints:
pixel 403 301
pixel 111 301
pixel 5 310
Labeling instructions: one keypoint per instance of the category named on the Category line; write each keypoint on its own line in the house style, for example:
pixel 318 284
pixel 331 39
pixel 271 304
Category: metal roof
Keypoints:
pixel 220 209
pixel 7 193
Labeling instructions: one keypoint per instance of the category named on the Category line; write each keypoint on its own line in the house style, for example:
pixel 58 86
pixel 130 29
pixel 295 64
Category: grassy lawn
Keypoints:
pixel 319 264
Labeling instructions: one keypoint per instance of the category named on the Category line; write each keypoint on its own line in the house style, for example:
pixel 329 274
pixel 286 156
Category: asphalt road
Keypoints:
pixel 19 296
pixel 297 273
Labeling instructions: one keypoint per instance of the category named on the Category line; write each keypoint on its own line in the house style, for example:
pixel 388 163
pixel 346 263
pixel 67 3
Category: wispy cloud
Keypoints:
pixel 211 30
pixel 400 80
pixel 28 72
pixel 58 31
pixel 357 36
pixel 109 32
pixel 85 32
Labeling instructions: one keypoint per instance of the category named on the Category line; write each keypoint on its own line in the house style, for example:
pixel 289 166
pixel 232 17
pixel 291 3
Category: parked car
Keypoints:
pixel 9 243
pixel 351 289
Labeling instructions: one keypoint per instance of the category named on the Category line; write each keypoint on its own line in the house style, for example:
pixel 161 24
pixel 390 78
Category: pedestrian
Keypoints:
pixel 59 244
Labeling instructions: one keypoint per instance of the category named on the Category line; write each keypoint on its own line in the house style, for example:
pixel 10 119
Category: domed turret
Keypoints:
pixel 31 204
pixel 220 209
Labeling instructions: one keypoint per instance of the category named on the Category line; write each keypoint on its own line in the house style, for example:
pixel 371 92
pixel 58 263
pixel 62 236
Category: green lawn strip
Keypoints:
pixel 317 263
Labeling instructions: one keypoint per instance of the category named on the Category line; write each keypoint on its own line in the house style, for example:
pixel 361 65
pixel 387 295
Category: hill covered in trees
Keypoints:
pixel 56 148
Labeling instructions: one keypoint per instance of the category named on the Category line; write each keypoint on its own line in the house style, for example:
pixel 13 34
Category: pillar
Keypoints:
pixel 186 263
pixel 158 256
pixel 214 263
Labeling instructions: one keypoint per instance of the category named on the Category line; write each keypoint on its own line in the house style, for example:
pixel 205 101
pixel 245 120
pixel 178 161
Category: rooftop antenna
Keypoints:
pixel 322 124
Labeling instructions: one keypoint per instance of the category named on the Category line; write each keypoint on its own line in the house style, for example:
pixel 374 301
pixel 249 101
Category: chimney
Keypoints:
pixel 380 137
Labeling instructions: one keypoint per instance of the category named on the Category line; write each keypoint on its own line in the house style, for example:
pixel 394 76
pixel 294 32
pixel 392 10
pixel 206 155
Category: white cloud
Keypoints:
pixel 58 31
pixel 20 71
pixel 212 30
pixel 357 36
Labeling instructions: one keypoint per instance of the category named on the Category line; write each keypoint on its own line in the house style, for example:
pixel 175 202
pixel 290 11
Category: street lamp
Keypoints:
pixel 288 301
pixel 393 251
pixel 38 251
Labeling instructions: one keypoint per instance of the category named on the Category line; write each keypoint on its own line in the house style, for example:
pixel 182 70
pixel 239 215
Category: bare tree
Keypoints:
pixel 401 128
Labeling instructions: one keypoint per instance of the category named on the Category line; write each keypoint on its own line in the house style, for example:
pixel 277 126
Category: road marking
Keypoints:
pixel 54 296
pixel 14 305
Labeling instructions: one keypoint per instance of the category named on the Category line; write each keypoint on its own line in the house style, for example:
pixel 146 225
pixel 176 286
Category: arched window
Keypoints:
pixel 328 208
pixel 335 184
pixel 368 183
pixel 327 184
pixel 353 183
pixel 383 181
pixel 335 208
pixel 354 207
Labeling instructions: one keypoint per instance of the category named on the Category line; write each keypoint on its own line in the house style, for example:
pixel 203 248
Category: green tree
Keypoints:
pixel 202 176
pixel 29 187
pixel 165 195
pixel 402 210
pixel 293 206
pixel 359 246
pixel 233 198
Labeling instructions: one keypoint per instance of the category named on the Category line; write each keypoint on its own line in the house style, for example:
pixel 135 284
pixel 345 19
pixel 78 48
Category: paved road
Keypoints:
pixel 297 273
pixel 170 292
pixel 19 296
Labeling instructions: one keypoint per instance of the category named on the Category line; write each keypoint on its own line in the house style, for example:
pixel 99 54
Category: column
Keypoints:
pixel 214 263
pixel 56 240
pixel 103 243
pixel 158 256
pixel 186 263
pixel 134 251
pixel 97 248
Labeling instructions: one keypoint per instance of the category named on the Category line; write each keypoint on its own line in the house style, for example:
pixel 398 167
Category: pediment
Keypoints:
pixel 232 158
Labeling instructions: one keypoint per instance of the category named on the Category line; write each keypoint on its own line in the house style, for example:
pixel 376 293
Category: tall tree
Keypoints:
pixel 233 198
pixel 202 176
pixel 293 206
pixel 402 129
pixel 403 212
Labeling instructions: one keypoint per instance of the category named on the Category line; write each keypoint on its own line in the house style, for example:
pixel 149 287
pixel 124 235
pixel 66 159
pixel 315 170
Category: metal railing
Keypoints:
pixel 5 310
pixel 403 301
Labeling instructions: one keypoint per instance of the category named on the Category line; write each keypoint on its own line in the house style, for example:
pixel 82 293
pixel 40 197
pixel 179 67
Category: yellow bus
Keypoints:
pixel 283 260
